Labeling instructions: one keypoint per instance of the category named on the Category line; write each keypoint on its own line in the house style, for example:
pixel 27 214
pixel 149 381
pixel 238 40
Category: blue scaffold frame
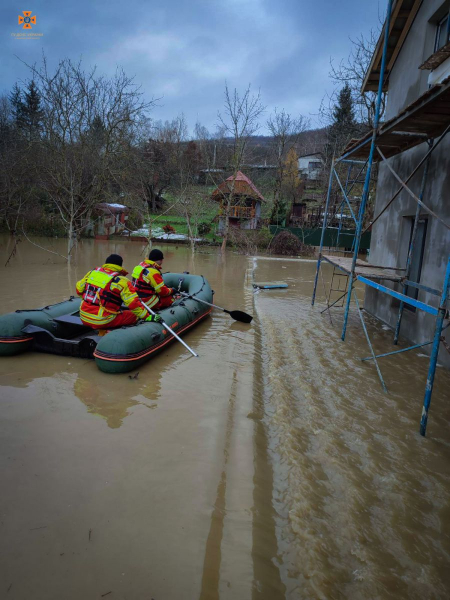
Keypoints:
pixel 441 312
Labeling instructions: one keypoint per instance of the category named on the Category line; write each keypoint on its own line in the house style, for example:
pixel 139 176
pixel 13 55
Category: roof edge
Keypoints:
pixel 398 13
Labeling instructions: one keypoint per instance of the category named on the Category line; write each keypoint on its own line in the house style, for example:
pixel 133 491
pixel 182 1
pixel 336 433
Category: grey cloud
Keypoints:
pixel 185 52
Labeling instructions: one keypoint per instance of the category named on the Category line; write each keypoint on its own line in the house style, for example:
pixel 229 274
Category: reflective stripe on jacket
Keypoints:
pixel 103 290
pixel 149 284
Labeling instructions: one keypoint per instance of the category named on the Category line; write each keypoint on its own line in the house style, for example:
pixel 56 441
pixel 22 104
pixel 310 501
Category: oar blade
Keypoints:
pixel 238 315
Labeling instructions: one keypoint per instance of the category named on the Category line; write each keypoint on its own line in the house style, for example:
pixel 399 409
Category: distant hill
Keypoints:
pixel 309 141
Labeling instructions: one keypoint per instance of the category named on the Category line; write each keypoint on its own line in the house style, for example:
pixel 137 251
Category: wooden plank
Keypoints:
pixel 373 271
pixel 371 79
pixel 436 58
pixel 412 15
pixel 394 14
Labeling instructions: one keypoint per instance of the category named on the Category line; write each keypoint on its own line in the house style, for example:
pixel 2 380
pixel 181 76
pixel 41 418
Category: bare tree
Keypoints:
pixel 216 151
pixel 16 167
pixel 240 120
pixel 285 131
pixel 166 162
pixel 191 202
pixel 352 71
pixel 88 123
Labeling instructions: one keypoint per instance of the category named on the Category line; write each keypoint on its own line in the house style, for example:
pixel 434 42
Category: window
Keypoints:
pixel 416 259
pixel 442 33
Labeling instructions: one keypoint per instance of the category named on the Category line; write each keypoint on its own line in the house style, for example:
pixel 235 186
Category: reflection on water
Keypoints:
pixel 112 406
pixel 360 496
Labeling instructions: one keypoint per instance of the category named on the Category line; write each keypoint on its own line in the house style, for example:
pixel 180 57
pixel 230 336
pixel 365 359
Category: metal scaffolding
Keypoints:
pixel 410 128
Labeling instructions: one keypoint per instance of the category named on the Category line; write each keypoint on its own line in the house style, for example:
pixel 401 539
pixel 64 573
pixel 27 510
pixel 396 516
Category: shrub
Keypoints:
pixel 204 228
pixel 263 237
pixel 288 244
pixel 45 225
pixel 135 220
pixel 249 241
pixel 168 229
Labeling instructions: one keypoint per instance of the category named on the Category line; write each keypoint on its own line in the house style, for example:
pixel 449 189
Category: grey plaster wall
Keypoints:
pixel 390 235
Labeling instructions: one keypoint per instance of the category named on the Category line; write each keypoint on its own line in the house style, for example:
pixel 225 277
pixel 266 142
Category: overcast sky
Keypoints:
pixel 184 51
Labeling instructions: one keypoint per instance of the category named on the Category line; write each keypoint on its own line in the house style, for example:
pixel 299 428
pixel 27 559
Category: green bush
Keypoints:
pixel 263 237
pixel 204 228
pixel 135 220
pixel 288 244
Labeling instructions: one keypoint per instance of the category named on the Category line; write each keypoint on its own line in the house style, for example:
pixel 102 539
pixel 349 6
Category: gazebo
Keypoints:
pixel 245 209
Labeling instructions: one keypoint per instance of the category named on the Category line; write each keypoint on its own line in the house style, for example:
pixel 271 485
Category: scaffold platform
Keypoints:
pixel 426 120
pixel 364 268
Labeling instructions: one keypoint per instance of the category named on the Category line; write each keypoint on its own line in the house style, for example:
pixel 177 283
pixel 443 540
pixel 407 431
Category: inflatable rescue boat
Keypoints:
pixel 58 329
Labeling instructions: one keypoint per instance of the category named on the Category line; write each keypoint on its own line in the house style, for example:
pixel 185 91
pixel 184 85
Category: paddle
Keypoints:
pixel 171 331
pixel 237 315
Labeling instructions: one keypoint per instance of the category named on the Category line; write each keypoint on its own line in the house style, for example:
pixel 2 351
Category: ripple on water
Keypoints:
pixel 360 497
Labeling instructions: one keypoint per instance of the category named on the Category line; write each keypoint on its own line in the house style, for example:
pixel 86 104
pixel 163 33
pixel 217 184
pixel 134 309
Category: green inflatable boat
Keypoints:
pixel 57 329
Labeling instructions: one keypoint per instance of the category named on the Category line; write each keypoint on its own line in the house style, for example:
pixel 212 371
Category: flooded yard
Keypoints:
pixel 273 466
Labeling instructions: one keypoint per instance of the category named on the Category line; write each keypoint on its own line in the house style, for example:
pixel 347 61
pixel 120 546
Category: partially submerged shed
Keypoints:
pixel 109 219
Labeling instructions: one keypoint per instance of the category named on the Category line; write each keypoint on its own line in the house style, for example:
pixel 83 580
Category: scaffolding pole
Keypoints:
pixel 369 169
pixel 324 226
pixel 435 350
pixel 356 271
pixel 342 203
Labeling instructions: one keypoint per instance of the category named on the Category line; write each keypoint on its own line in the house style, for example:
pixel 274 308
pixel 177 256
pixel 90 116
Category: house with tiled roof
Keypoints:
pixel 242 199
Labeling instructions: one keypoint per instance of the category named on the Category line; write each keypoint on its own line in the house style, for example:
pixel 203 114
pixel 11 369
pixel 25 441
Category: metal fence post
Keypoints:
pixel 324 226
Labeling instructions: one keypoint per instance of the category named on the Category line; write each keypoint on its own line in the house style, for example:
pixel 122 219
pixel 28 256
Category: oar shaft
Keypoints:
pixel 203 301
pixel 170 330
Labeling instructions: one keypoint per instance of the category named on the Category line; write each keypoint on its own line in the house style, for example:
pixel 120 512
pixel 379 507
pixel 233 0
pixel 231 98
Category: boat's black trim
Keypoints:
pixel 82 346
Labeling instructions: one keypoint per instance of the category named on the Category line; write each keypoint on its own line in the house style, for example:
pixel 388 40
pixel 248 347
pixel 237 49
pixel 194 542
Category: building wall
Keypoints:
pixel 391 233
pixel 305 169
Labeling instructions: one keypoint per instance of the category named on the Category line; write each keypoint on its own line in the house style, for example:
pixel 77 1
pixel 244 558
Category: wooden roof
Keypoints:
pixel 243 186
pixel 402 17
pixel 112 208
pixel 425 118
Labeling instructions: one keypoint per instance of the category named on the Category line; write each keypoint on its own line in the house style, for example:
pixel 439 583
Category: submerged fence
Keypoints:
pixel 332 237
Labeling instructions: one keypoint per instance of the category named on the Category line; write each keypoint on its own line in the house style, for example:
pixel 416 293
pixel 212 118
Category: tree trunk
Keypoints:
pixel 190 232
pixel 226 230
pixel 275 204
pixel 70 242
pixel 227 212
pixel 149 236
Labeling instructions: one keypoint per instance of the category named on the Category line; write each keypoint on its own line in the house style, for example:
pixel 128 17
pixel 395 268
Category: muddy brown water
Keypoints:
pixel 271 467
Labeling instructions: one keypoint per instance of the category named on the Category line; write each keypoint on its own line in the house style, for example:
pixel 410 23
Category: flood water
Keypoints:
pixel 273 466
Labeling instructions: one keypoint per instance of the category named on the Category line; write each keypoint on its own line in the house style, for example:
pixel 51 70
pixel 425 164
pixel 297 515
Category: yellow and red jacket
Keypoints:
pixel 148 282
pixel 103 290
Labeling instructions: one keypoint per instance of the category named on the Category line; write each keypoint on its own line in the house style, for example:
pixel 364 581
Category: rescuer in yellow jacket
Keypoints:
pixel 149 284
pixel 103 291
